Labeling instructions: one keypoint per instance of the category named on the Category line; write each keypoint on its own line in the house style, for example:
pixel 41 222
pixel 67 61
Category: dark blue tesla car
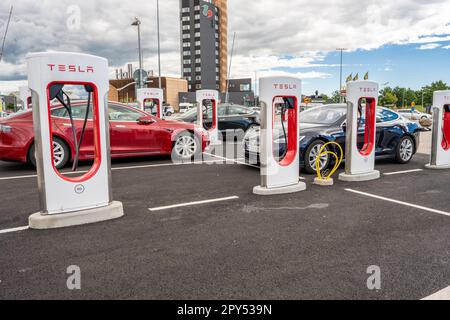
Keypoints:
pixel 396 138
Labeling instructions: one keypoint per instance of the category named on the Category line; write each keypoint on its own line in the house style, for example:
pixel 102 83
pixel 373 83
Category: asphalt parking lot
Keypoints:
pixel 316 244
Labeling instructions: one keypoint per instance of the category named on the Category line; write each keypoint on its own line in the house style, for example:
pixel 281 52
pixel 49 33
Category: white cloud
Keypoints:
pixel 429 46
pixel 446 47
pixel 268 31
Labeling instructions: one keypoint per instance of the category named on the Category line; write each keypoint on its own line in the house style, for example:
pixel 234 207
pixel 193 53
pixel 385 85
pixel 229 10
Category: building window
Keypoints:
pixel 186 53
pixel 217 69
pixel 197 34
pixel 197 43
pixel 198 52
pixel 186 27
pixel 197 8
pixel 188 78
pixel 198 86
pixel 217 78
pixel 198 78
pixel 198 60
pixel 198 69
pixel 187 61
pixel 185 19
pixel 197 17
pixel 186 44
pixel 187 70
pixel 217 52
pixel 187 36
pixel 197 26
pixel 185 10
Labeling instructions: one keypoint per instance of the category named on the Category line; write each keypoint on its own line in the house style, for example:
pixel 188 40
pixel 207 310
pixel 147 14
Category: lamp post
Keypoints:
pixel 137 23
pixel 159 44
pixel 340 74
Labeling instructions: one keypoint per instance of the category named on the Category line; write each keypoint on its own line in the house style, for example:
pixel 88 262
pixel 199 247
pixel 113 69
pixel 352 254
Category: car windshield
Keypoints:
pixel 323 115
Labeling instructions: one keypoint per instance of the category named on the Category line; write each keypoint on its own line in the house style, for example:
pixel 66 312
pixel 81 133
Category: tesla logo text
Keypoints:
pixel 71 68
pixel 285 86
pixel 367 89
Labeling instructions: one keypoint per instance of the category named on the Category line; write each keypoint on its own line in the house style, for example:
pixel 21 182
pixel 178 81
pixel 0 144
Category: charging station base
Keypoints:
pixel 40 221
pixel 264 191
pixel 373 175
pixel 324 182
pixel 435 167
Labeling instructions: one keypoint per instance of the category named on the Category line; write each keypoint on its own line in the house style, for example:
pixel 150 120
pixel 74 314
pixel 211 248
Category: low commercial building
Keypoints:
pixel 124 90
pixel 239 92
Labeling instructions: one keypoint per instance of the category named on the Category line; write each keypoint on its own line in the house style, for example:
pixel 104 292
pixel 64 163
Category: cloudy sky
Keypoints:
pixel 403 42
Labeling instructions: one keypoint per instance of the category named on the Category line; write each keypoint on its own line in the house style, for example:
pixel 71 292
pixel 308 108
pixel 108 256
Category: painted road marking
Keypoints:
pixel 232 160
pixel 120 168
pixel 399 202
pixel 13 230
pixel 402 172
pixel 444 294
pixel 193 203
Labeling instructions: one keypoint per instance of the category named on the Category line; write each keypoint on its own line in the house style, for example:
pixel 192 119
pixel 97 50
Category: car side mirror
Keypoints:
pixel 344 126
pixel 146 120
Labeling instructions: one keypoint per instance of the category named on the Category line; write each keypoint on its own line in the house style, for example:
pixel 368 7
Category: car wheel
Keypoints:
pixel 311 155
pixel 405 150
pixel 169 114
pixel 61 153
pixel 186 147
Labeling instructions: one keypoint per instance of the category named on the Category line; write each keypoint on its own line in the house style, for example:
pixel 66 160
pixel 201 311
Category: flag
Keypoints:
pixel 349 78
pixel 366 76
pixel 356 77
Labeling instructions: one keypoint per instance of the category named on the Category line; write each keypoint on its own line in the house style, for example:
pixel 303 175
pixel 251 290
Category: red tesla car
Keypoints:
pixel 132 133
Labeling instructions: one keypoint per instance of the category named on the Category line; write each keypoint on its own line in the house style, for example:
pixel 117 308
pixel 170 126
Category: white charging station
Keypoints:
pixel 440 145
pixel 25 97
pixel 203 96
pixel 362 97
pixel 279 175
pixel 67 200
pixel 154 95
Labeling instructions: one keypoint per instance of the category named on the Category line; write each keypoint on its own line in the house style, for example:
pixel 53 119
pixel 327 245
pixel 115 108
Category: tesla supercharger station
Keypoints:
pixel 25 97
pixel 154 95
pixel 279 174
pixel 68 200
pixel 440 145
pixel 202 97
pixel 362 97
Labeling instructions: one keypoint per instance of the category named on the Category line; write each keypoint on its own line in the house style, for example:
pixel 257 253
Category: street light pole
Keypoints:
pixel 340 75
pixel 137 23
pixel 159 45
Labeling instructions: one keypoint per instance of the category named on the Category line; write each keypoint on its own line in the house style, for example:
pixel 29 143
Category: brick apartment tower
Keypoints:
pixel 204 49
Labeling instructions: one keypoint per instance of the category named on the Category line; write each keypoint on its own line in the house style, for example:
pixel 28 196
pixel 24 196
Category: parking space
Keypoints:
pixel 197 231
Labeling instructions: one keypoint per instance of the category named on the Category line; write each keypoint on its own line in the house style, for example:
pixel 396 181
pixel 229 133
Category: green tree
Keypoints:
pixel 389 99
pixel 336 96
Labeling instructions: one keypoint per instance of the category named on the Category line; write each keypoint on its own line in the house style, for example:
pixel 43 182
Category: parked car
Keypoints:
pixel 234 119
pixel 396 137
pixel 414 115
pixel 132 133
pixel 185 107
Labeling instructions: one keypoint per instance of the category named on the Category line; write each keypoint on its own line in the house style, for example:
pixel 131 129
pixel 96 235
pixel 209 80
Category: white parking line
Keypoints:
pixel 193 203
pixel 402 172
pixel 399 202
pixel 119 168
pixel 13 230
pixel 232 160
pixel 444 294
